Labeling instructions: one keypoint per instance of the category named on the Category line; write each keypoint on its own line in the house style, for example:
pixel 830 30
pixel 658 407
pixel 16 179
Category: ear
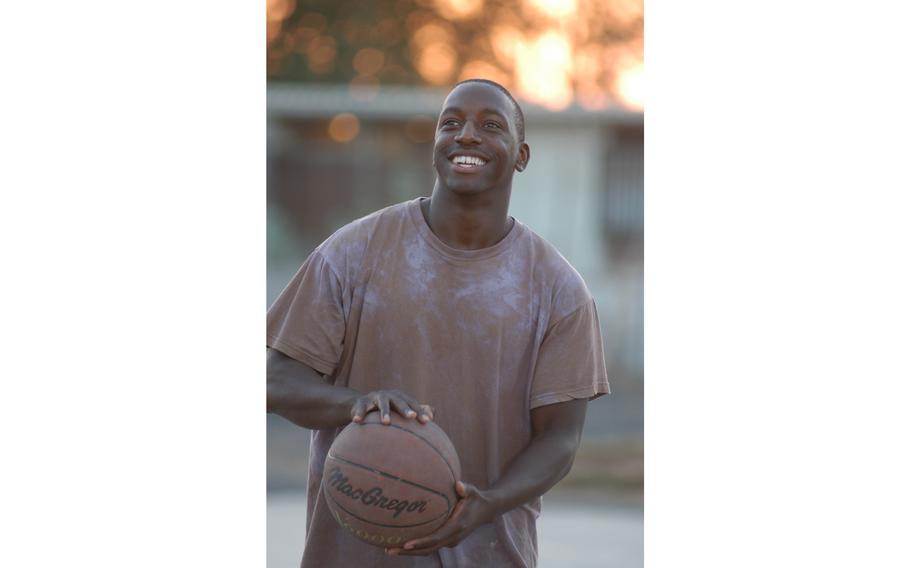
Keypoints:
pixel 524 156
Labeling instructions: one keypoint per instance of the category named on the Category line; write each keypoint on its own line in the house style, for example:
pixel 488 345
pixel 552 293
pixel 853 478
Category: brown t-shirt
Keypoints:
pixel 483 336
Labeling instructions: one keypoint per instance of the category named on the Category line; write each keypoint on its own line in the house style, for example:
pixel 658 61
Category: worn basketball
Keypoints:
pixel 388 484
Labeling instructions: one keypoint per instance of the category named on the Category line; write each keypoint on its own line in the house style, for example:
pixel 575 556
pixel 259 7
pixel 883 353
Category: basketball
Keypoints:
pixel 388 484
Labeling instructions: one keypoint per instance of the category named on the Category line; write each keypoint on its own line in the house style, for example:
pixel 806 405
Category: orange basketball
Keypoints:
pixel 388 484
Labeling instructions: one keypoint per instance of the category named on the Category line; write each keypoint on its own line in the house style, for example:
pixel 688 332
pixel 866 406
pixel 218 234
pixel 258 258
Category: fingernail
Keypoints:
pixel 408 546
pixel 411 414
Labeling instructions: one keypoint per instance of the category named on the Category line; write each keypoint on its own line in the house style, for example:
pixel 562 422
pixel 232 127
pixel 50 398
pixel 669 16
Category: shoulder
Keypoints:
pixel 350 245
pixel 557 280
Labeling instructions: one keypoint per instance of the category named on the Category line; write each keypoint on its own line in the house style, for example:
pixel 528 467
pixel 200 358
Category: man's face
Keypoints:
pixel 477 146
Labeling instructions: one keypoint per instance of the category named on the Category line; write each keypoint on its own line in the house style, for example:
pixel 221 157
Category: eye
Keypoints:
pixel 492 124
pixel 449 122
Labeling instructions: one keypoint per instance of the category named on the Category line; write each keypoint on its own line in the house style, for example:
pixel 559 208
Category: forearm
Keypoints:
pixel 555 436
pixel 540 466
pixel 300 394
pixel 543 462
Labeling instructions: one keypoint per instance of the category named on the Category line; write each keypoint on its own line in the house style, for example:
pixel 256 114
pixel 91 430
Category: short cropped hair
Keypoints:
pixel 519 115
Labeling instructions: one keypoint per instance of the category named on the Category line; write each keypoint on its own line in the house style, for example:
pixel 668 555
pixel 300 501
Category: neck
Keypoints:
pixel 467 222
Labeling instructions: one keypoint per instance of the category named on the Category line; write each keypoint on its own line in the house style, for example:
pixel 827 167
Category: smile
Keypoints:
pixel 468 162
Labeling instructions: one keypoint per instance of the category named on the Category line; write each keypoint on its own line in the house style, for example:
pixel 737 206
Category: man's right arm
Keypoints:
pixel 300 394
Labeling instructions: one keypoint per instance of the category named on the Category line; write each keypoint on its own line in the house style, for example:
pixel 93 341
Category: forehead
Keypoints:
pixel 476 97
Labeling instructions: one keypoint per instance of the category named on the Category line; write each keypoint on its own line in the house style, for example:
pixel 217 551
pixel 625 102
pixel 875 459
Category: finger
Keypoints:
pixel 420 548
pixel 402 407
pixel 403 552
pixel 384 410
pixel 418 552
pixel 420 543
pixel 443 534
pixel 404 404
pixel 464 490
pixel 368 407
pixel 456 512
pixel 429 548
pixel 426 413
pixel 358 411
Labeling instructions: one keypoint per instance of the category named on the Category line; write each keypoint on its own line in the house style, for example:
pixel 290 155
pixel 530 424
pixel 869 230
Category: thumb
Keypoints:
pixel 464 489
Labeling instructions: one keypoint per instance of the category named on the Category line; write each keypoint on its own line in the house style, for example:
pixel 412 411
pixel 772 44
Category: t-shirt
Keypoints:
pixel 483 336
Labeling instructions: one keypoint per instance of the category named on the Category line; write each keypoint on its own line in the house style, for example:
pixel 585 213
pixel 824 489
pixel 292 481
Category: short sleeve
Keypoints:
pixel 570 362
pixel 307 321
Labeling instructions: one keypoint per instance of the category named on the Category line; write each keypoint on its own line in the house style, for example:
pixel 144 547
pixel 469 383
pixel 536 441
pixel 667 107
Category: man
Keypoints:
pixel 445 309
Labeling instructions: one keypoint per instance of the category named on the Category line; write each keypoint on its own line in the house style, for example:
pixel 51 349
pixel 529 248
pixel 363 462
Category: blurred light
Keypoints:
pixel 417 18
pixel 625 12
pixel 589 70
pixel 630 85
pixel 482 70
pixel 420 129
pixel 321 53
pixel 436 63
pixel 388 32
pixel 592 96
pixel 458 9
pixel 272 30
pixel 368 61
pixel 555 8
pixel 313 21
pixel 505 41
pixel 279 10
pixel 550 52
pixel 543 70
pixel 283 47
pixel 354 32
pixel 588 63
pixel 433 32
pixel 302 36
pixel 276 12
pixel 344 127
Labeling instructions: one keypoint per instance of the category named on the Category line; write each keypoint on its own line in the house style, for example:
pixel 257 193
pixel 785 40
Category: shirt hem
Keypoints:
pixel 600 388
pixel 293 352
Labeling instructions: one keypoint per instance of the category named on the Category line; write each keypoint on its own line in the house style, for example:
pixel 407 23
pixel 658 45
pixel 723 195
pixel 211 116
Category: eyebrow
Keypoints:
pixel 457 110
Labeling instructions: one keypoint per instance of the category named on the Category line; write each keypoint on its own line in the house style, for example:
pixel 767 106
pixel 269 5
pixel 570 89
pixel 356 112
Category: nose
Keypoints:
pixel 468 134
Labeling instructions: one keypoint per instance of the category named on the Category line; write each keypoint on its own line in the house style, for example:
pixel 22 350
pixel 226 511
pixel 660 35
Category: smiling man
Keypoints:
pixel 445 308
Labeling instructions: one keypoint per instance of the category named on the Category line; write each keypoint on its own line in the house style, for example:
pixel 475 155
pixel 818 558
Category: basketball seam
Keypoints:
pixel 424 440
pixel 390 476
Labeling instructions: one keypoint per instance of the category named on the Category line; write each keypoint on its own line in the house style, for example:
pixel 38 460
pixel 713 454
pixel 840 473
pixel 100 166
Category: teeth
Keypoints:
pixel 468 161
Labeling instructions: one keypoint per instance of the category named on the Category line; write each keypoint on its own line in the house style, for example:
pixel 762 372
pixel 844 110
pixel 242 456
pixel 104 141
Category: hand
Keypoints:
pixel 472 510
pixel 386 400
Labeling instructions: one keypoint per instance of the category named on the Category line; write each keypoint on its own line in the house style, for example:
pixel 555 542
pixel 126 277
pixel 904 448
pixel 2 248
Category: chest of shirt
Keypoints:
pixel 416 289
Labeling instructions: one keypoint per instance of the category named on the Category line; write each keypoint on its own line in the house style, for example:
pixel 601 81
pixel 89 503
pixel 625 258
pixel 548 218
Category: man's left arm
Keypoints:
pixel 556 434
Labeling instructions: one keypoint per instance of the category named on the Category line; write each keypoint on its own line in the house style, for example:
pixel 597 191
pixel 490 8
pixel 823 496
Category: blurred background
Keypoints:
pixel 354 89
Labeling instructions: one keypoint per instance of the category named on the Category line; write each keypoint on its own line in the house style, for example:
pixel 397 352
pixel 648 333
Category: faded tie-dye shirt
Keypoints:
pixel 483 336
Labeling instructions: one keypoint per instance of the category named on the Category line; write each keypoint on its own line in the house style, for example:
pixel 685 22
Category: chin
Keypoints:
pixel 461 187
